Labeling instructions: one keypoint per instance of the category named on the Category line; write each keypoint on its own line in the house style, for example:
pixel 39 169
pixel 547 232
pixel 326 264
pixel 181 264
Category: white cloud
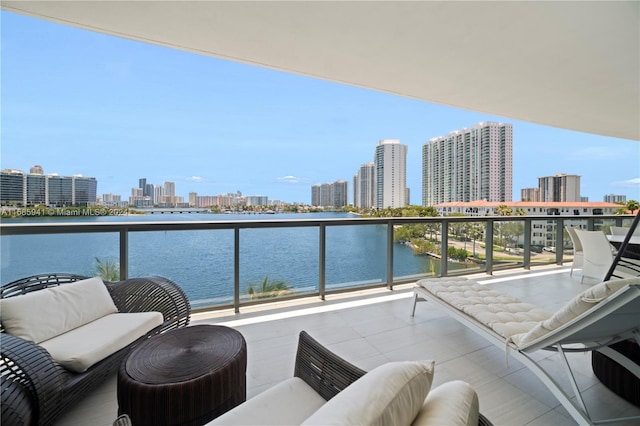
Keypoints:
pixel 629 183
pixel 596 153
pixel 292 179
pixel 195 179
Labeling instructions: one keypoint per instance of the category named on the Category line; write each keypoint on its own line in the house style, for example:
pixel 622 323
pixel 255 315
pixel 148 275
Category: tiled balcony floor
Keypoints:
pixel 376 327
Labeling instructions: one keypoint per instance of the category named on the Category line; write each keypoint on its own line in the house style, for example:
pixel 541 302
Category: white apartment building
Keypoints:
pixel 390 174
pixel 471 164
pixel 543 233
pixel 363 186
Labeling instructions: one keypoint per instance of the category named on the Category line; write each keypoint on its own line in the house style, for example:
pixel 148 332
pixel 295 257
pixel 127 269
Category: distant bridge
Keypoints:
pixel 174 210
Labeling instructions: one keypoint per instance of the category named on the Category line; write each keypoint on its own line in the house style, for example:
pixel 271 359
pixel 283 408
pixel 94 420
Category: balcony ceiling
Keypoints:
pixel 573 65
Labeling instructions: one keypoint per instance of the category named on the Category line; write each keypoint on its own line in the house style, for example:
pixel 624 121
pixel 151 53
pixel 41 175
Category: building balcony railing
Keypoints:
pixel 220 258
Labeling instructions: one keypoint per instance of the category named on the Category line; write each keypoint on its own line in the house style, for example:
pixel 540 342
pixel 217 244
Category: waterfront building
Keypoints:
pixel 257 200
pixel 340 190
pixel 112 200
pixel 192 199
pixel 315 195
pixel 326 195
pixel 334 194
pixel 19 188
pixel 390 174
pixel 559 188
pixel 158 192
pixel 363 186
pixel 474 163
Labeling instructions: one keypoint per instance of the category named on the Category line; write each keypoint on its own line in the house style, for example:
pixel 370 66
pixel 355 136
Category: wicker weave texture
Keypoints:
pixel 327 373
pixel 184 377
pixel 35 389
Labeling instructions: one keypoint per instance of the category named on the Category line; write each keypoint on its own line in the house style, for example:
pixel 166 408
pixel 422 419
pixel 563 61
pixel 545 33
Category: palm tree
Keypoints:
pixel 504 210
pixel 268 289
pixel 108 269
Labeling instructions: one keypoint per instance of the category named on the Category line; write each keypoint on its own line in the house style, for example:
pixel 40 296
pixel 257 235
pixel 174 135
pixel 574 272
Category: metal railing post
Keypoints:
pixel 390 255
pixel 489 248
pixel 124 254
pixel 322 267
pixel 526 246
pixel 236 269
pixel 444 248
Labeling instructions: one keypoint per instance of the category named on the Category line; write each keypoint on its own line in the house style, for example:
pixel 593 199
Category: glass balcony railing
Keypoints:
pixel 229 264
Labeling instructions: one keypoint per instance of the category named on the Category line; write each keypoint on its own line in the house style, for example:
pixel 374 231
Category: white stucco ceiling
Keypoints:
pixel 567 64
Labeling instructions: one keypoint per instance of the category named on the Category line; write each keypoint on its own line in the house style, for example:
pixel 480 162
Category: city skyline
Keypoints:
pixel 116 110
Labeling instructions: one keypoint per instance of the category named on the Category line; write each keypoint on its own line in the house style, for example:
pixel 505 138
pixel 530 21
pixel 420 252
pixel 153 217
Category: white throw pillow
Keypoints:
pixel 43 314
pixel 391 394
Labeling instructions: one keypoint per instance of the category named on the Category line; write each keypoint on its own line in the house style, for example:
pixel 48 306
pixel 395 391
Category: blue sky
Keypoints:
pixel 78 102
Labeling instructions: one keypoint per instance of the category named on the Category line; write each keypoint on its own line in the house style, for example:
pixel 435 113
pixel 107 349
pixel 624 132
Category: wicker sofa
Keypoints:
pixel 327 390
pixel 35 388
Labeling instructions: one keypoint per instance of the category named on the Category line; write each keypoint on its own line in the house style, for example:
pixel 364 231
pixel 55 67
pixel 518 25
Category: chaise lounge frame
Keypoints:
pixel 35 389
pixel 612 320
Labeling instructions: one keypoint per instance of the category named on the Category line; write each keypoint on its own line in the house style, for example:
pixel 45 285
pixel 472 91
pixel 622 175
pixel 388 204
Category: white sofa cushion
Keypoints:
pixel 80 348
pixel 453 404
pixel 287 403
pixel 391 394
pixel 574 308
pixel 43 314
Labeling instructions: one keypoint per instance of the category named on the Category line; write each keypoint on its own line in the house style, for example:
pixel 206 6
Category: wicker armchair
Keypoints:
pixel 35 389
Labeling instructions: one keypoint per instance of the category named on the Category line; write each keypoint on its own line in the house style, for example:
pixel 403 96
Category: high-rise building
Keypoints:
pixel 559 188
pixel 390 174
pixel 170 189
pixel 340 190
pixel 18 188
pixel 330 194
pixel 363 186
pixel 613 198
pixel 530 194
pixel 471 164
pixel 315 195
pixel 326 195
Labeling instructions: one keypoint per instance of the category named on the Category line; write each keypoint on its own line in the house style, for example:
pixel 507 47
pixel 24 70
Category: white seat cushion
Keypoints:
pixel 43 314
pixel 503 313
pixel 80 348
pixel 391 394
pixel 453 404
pixel 287 403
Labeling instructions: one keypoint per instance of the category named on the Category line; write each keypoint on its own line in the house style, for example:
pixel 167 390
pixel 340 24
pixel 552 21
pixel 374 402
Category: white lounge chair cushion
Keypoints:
pixel 391 394
pixel 574 308
pixel 501 312
pixel 80 348
pixel 288 403
pixel 453 403
pixel 43 314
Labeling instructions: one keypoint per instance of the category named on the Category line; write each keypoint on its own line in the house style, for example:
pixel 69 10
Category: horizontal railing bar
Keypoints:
pixel 84 227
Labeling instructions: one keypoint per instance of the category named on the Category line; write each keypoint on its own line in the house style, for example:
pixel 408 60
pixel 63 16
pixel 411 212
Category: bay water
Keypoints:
pixel 201 262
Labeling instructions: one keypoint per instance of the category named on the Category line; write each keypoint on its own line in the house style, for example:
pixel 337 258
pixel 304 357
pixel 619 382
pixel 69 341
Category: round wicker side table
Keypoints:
pixel 186 376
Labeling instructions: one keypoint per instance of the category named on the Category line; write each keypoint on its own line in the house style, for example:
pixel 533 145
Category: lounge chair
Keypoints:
pixel 578 253
pixel 598 254
pixel 602 315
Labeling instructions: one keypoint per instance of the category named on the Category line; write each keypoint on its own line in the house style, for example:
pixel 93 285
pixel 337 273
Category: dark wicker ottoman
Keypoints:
pixel 616 377
pixel 187 376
